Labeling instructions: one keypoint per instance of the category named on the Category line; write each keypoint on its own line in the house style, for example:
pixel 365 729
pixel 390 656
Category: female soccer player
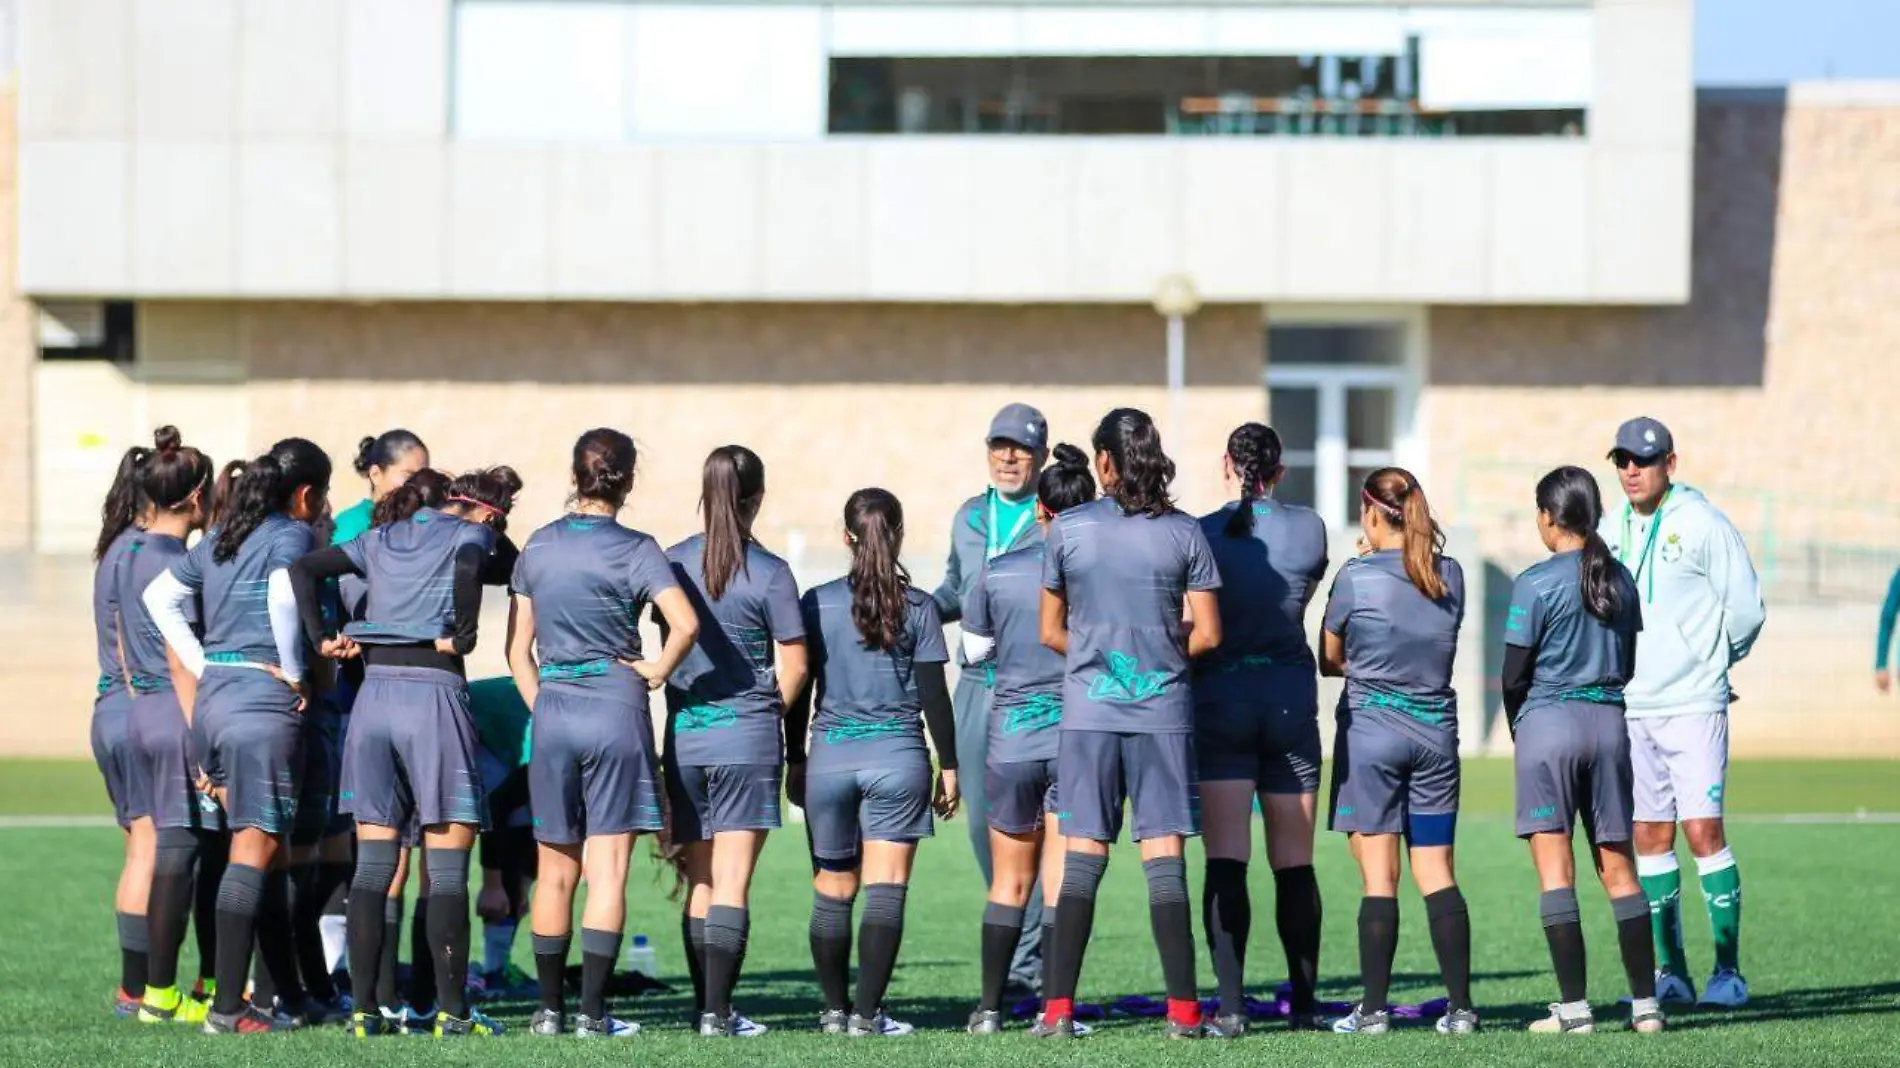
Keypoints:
pixel 248 705
pixel 1117 576
pixel 1569 649
pixel 112 704
pixel 725 706
pixel 176 481
pixel 410 754
pixel 877 655
pixel 1002 621
pixel 385 461
pixel 1256 725
pixel 594 776
pixel 1391 630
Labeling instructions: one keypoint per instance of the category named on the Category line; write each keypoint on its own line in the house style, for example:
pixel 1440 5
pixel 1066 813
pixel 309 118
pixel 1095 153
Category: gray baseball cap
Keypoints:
pixel 1643 438
pixel 1021 424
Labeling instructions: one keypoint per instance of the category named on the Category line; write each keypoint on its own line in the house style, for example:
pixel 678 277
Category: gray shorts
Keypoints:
pixel 592 768
pixel 162 745
pixel 1019 792
pixel 1098 771
pixel 846 808
pixel 1391 777
pixel 254 740
pixel 725 797
pixel 1573 762
pixel 1276 748
pixel 112 751
pixel 409 754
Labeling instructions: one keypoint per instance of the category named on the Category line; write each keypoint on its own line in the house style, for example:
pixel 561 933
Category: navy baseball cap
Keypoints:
pixel 1021 424
pixel 1643 438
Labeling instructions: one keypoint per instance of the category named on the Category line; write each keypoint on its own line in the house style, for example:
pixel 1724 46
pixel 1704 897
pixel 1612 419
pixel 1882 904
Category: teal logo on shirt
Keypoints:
pixel 1125 682
pixel 1515 620
pixel 694 719
pixel 1343 811
pixel 1039 712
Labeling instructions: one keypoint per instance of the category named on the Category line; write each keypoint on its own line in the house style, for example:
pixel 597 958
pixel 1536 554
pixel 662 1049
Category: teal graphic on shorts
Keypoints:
pixel 1343 811
pixel 224 658
pixel 1595 695
pixel 1543 812
pixel 1253 662
pixel 1039 712
pixel 694 719
pixel 106 683
pixel 1125 682
pixel 583 669
pixel 859 732
pixel 1424 709
pixel 1514 621
pixel 1715 794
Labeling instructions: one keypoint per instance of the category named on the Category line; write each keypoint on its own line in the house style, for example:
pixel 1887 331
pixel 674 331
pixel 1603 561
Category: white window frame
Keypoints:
pixel 1330 459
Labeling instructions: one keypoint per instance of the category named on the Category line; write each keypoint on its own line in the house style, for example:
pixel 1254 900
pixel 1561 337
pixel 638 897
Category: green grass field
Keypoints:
pixel 1821 948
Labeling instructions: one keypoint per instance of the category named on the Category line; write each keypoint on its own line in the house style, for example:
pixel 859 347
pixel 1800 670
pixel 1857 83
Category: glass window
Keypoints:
pixel 1381 345
pixel 1370 418
pixel 1293 411
pixel 1297 486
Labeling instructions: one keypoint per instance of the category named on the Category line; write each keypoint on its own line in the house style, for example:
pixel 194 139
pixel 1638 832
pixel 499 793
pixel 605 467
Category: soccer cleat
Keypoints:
pixel 547 1023
pixel 1308 1021
pixel 1673 989
pixel 317 1012
pixel 124 1004
pixel 1646 1019
pixel 1559 1024
pixel 249 1020
pixel 744 1028
pixel 475 1025
pixel 878 1026
pixel 1178 1030
pixel 1726 990
pixel 1459 1022
pixel 606 1027
pixel 371 1025
pixel 985 1022
pixel 712 1026
pixel 1361 1022
pixel 1233 1026
pixel 167 1005
pixel 1060 1027
pixel 834 1021
pixel 417 1022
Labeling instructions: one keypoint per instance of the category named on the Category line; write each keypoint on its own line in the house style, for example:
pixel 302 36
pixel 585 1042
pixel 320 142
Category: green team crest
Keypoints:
pixel 1125 682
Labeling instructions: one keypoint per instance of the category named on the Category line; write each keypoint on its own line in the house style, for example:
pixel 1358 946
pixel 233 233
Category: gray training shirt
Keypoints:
pixel 1125 577
pixel 1267 579
pixel 235 595
pixel 589 578
pixel 410 569
pixel 1578 656
pixel 723 701
pixel 105 609
pixel 1399 644
pixel 1006 605
pixel 149 557
pixel 868 712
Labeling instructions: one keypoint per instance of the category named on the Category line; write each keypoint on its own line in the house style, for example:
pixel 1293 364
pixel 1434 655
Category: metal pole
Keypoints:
pixel 1177 378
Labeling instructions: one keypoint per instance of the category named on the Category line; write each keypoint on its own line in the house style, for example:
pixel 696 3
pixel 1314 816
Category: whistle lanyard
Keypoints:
pixel 997 547
pixel 1649 543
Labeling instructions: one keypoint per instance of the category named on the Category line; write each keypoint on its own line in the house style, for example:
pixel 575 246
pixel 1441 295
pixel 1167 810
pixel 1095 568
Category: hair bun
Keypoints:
pixel 1067 455
pixel 510 482
pixel 167 438
pixel 363 450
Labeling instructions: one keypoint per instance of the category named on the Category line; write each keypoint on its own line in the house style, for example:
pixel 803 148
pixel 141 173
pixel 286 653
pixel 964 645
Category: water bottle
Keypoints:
pixel 640 958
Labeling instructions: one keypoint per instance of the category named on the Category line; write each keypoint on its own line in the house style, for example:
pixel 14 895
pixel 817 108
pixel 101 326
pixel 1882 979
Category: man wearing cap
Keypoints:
pixel 1702 609
pixel 998 520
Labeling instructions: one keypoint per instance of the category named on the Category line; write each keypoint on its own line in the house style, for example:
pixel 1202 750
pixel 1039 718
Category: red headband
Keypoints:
pixel 479 504
pixel 1390 512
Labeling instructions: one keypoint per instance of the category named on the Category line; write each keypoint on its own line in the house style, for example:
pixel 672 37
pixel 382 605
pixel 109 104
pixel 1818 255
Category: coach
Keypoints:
pixel 996 521
pixel 1702 609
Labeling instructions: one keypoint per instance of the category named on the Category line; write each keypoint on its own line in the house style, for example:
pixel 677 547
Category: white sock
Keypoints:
pixel 1659 864
pixel 1715 862
pixel 1573 1010
pixel 1639 1006
pixel 498 942
pixel 336 939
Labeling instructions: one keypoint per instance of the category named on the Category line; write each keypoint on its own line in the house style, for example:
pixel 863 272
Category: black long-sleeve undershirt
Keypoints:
pixel 1520 663
pixel 473 570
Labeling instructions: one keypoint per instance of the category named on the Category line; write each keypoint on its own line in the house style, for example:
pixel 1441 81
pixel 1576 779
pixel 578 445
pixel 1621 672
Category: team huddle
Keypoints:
pixel 288 733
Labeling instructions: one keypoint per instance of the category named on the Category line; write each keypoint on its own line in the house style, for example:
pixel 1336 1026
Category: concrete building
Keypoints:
pixel 1467 236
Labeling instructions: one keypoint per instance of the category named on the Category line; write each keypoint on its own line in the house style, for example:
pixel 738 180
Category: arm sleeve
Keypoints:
pixel 797 721
pixel 783 620
pixel 165 598
pixel 976 608
pixel 929 646
pixel 1052 578
pixel 649 573
pixel 939 719
pixel 1889 612
pixel 285 626
pixel 1202 573
pixel 1519 660
pixel 1339 602
pixel 499 565
pixel 470 560
pixel 1733 575
pixel 306 579
pixel 798 717
pixel 1524 620
pixel 949 599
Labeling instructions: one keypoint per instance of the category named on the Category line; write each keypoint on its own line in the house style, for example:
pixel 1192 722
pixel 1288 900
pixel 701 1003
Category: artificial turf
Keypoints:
pixel 1819 947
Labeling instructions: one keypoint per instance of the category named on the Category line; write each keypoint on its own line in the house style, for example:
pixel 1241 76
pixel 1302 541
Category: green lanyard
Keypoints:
pixel 996 548
pixel 1649 542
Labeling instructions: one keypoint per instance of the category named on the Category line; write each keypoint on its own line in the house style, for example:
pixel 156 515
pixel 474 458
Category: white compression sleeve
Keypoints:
pixel 285 625
pixel 977 648
pixel 165 599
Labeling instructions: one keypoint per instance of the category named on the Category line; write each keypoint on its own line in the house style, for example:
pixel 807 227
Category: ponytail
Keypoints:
pixel 874 520
pixel 1401 500
pixel 490 489
pixel 1254 451
pixel 267 486
pixel 427 488
pixel 222 492
pixel 732 485
pixel 173 472
pixel 1569 496
pixel 1142 471
pixel 1066 482
pixel 123 501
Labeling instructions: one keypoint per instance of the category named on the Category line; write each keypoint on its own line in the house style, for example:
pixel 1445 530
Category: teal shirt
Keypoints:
pixel 502 719
pixel 352 522
pixel 1889 611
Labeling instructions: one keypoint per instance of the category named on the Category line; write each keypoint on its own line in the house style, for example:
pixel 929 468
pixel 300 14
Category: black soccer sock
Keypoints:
pixel 448 926
pixel 135 949
pixel 1451 940
pixel 1075 917
pixel 599 950
pixel 1634 937
pixel 1563 929
pixel 693 938
pixel 238 896
pixel 1227 917
pixel 214 856
pixel 389 955
pixel 306 908
pixel 421 992
pixel 1296 913
pixel 1002 929
pixel 263 983
pixel 1378 944
pixel 168 909
pixel 880 934
pixel 727 929
pixel 276 945
pixel 550 969
pixel 372 915
pixel 831 949
pixel 1172 919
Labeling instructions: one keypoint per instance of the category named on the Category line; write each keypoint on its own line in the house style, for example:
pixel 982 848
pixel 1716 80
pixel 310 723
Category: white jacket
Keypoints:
pixel 1701 601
